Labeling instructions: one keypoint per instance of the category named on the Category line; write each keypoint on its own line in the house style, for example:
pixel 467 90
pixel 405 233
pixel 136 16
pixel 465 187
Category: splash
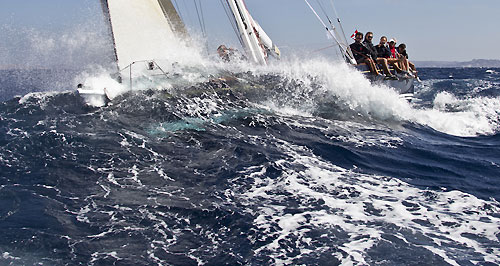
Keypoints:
pixel 321 82
pixel 73 48
pixel 474 116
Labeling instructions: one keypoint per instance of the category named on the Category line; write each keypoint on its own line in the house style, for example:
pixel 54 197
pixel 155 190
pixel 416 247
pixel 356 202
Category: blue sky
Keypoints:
pixel 448 30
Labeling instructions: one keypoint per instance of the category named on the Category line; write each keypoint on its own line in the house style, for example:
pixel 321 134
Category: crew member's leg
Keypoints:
pixel 394 63
pixel 385 66
pixel 404 63
pixel 372 66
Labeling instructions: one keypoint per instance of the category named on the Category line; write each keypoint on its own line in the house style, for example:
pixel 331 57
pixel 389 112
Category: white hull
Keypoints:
pixel 94 97
pixel 401 85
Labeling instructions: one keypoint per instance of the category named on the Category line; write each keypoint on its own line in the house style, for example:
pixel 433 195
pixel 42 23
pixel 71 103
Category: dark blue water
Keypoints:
pixel 265 171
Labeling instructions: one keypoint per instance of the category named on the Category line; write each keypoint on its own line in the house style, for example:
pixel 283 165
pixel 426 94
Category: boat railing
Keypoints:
pixel 151 65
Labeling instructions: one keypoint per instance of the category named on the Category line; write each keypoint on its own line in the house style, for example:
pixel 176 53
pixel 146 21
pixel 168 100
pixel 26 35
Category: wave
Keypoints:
pixel 321 88
pixel 358 211
pixel 348 91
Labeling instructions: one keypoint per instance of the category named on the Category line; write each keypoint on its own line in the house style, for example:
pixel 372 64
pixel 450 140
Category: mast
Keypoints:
pixel 173 17
pixel 250 42
pixel 105 10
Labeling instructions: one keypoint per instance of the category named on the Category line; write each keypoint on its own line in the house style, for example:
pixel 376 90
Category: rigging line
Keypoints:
pixel 178 10
pixel 329 20
pixel 335 10
pixel 232 20
pixel 331 24
pixel 324 48
pixel 324 12
pixel 340 24
pixel 199 18
pixel 203 17
pixel 322 22
pixel 351 58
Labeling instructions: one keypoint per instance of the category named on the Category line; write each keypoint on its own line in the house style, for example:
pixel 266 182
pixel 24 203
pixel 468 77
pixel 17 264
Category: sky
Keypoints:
pixel 59 31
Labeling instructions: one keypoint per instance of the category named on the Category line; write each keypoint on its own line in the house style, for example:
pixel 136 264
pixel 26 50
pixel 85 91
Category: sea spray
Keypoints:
pixel 381 103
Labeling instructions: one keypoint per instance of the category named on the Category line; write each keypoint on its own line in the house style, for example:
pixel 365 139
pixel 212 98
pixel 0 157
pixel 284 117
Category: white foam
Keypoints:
pixel 40 98
pixel 477 115
pixel 344 84
pixel 7 256
pixel 444 217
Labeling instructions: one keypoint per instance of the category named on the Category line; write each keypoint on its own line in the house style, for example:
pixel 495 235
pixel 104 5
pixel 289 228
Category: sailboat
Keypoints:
pixel 404 85
pixel 146 31
pixel 142 32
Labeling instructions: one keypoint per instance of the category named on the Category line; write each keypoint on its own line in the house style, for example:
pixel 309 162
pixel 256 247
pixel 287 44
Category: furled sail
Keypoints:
pixel 144 29
pixel 255 41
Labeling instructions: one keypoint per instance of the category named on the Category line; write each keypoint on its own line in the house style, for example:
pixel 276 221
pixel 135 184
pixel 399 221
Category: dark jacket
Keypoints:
pixel 383 51
pixel 360 52
pixel 404 53
pixel 371 48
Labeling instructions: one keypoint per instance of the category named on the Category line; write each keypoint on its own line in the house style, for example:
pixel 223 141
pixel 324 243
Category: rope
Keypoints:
pixel 232 20
pixel 333 28
pixel 199 18
pixel 324 25
pixel 324 12
pixel 341 28
pixel 178 10
pixel 203 17
pixel 347 52
pixel 324 48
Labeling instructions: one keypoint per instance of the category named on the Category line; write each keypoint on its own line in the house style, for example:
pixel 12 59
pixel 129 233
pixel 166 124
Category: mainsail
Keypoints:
pixel 144 29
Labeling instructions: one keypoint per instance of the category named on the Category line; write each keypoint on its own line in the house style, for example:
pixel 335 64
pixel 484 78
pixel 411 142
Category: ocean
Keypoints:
pixel 302 164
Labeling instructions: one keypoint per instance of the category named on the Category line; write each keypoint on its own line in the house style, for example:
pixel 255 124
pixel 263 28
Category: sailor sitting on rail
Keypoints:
pixel 374 55
pixel 402 52
pixel 389 53
pixel 401 60
pixel 362 54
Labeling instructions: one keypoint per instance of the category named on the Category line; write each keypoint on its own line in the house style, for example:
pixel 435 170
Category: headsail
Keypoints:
pixel 143 30
pixel 254 40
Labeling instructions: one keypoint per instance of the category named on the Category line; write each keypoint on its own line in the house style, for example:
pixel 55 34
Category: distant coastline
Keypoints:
pixel 473 63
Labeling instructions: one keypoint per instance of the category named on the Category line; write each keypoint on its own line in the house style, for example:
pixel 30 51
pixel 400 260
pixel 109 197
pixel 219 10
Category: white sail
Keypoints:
pixel 251 34
pixel 143 29
pixel 265 40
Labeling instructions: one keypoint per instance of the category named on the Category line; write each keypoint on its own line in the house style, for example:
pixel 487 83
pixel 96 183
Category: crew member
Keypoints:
pixel 362 54
pixel 402 52
pixel 374 56
pixel 402 62
pixel 224 53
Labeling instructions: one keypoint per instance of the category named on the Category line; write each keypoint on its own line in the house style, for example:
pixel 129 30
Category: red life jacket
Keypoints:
pixel 393 52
